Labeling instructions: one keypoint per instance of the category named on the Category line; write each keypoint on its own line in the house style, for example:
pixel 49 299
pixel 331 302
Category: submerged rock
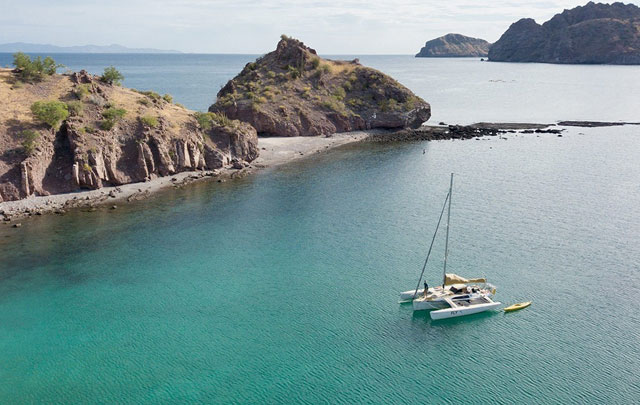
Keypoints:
pixel 293 92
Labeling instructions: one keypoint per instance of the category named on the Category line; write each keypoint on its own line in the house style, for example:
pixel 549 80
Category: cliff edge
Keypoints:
pixel 74 131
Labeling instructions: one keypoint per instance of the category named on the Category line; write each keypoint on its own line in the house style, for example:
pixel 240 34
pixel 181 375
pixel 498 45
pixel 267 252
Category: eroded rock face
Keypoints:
pixel 594 33
pixel 153 138
pixel 453 46
pixel 293 92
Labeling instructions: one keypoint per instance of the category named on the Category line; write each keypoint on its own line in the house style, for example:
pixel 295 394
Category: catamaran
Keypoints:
pixel 457 296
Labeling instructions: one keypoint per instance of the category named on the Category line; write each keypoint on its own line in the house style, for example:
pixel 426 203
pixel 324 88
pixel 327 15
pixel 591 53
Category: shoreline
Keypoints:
pixel 274 151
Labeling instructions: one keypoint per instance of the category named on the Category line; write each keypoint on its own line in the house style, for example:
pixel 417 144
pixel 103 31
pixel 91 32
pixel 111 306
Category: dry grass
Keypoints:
pixel 16 98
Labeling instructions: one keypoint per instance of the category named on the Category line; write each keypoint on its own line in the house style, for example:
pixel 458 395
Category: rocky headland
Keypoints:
pixel 294 92
pixel 592 34
pixel 454 46
pixel 64 133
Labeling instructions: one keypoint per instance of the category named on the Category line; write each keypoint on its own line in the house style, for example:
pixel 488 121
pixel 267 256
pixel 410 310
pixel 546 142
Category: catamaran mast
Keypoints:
pixel 446 243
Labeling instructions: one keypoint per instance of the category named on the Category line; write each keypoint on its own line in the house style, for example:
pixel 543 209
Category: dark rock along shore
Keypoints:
pixel 293 92
pixel 454 45
pixel 592 34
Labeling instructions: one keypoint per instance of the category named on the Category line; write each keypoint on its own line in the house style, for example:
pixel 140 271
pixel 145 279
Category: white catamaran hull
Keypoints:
pixel 411 294
pixel 462 311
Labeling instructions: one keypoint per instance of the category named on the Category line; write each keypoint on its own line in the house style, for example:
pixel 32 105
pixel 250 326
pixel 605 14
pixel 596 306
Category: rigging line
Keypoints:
pixel 431 246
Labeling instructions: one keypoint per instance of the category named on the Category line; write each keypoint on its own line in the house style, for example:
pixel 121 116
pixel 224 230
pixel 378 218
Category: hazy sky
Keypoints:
pixel 254 26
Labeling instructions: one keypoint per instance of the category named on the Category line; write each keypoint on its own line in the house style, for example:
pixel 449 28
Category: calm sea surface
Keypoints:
pixel 283 287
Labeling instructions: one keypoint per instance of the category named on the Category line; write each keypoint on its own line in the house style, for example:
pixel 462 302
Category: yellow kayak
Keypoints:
pixel 515 307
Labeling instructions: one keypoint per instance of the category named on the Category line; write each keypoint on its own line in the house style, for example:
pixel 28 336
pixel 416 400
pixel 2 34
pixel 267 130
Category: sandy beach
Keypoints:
pixel 274 151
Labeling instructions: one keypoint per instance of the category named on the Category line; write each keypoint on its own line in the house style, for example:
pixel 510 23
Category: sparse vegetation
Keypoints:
pixel 155 97
pixel 112 76
pixel 29 141
pixel 144 101
pixel 149 120
pixel 75 108
pixel 168 98
pixel 51 113
pixel 36 69
pixel 206 120
pixel 111 116
pixel 82 90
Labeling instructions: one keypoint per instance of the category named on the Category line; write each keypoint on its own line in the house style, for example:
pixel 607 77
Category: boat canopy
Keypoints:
pixel 450 279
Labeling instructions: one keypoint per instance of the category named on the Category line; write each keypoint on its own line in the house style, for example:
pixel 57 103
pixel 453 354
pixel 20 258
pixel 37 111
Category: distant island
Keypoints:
pixel 46 48
pixel 294 92
pixel 454 46
pixel 592 34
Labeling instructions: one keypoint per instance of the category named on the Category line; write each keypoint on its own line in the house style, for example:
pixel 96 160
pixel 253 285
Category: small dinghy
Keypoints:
pixel 515 307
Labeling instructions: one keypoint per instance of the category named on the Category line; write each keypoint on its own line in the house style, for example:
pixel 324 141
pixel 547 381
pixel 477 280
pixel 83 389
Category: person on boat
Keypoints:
pixel 426 289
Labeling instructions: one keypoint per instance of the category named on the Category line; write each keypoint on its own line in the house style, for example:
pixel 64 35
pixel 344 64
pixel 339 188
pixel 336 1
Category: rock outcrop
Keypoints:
pixel 454 46
pixel 293 92
pixel 148 137
pixel 591 34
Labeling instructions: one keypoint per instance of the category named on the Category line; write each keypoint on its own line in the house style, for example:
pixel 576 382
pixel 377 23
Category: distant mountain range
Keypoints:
pixel 46 48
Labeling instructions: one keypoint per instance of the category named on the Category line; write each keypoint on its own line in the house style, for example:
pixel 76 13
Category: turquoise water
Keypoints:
pixel 282 287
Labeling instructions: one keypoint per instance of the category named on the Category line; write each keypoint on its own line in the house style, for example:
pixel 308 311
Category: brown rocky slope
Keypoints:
pixel 154 137
pixel 293 92
pixel 592 34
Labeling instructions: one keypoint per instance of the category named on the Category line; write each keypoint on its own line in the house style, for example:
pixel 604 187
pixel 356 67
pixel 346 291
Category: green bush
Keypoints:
pixel 29 141
pixel 112 76
pixel 152 95
pixel 221 119
pixel 168 98
pixel 82 90
pixel 206 120
pixel 144 101
pixel 36 69
pixel 111 116
pixel 51 113
pixel 107 125
pixel 114 114
pixel 339 93
pixel 75 108
pixel 149 121
pixel 315 62
pixel 203 120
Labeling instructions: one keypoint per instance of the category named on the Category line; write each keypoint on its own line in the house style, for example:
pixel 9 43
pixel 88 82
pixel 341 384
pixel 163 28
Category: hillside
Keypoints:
pixel 112 136
pixel 293 92
pixel 454 46
pixel 592 34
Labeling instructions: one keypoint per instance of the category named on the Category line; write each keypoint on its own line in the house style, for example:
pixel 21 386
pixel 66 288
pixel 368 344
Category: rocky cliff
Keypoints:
pixel 112 136
pixel 594 33
pixel 293 92
pixel 453 46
